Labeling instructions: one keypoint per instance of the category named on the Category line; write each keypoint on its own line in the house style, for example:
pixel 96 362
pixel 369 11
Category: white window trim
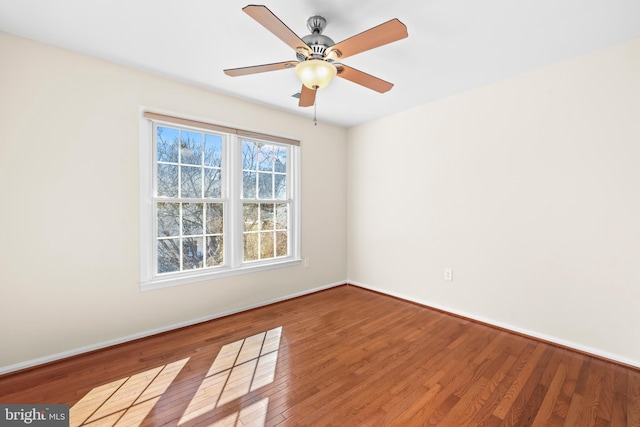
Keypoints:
pixel 149 280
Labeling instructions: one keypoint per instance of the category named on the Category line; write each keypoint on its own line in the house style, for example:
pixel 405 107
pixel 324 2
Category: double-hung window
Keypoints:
pixel 216 201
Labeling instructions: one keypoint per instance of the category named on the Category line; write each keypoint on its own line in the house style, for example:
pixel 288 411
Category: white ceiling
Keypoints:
pixel 453 45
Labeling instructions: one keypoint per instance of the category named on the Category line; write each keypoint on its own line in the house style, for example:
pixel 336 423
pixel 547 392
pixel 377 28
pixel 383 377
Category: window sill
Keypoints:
pixel 201 276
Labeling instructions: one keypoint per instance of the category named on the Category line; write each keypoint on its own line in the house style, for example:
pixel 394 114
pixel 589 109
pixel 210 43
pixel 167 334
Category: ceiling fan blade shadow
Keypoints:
pixel 388 32
pixel 271 22
pixel 364 79
pixel 307 97
pixel 243 71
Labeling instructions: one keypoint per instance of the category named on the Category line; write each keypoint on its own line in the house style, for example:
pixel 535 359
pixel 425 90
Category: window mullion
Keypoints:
pixel 180 238
pixel 205 261
pixel 259 229
pixel 234 175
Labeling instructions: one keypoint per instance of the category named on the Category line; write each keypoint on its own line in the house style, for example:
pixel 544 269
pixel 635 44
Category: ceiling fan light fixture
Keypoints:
pixel 315 73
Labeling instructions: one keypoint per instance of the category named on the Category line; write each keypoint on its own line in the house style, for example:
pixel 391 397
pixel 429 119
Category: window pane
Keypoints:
pixel 251 246
pixel 265 186
pixel 265 158
pixel 191 181
pixel 212 150
pixel 280 159
pixel 266 216
pixel 250 216
pixel 215 251
pixel 249 185
pixel 167 180
pixel 168 255
pixel 190 147
pixel 191 218
pixel 282 221
pixel 167 144
pixel 212 183
pixel 281 243
pixel 266 245
pixel 280 186
pixel 168 219
pixel 192 253
pixel 249 155
pixel 214 218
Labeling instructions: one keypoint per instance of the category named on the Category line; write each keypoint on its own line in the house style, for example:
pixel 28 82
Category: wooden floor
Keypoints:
pixel 341 357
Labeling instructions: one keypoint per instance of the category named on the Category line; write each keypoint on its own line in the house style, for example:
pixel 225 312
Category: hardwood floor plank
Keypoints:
pixel 545 411
pixel 605 404
pixel 527 404
pixel 516 387
pixel 344 356
pixel 620 403
pixel 563 401
pixel 575 411
pixel 633 395
pixel 592 396
pixel 466 405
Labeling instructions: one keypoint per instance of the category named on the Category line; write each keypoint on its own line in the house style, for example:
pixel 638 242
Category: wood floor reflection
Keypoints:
pixel 341 357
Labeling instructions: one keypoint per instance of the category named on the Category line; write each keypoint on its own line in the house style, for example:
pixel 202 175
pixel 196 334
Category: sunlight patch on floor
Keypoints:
pixel 240 368
pixel 253 415
pixel 126 401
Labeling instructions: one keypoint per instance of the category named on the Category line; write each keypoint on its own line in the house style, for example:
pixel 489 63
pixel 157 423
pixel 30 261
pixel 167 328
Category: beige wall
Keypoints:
pixel 529 189
pixel 69 179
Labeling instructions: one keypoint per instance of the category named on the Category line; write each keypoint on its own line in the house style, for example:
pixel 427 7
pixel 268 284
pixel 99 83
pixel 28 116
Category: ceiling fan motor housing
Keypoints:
pixel 316 40
pixel 318 44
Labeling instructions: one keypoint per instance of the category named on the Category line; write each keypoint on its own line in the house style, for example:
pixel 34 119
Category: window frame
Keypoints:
pixel 231 197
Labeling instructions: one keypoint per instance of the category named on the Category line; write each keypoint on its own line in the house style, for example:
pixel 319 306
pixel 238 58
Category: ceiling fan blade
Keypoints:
pixel 243 71
pixel 363 79
pixel 388 32
pixel 307 97
pixel 271 22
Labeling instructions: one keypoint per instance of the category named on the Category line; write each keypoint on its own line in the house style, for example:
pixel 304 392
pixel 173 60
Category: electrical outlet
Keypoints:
pixel 448 274
pixel 306 263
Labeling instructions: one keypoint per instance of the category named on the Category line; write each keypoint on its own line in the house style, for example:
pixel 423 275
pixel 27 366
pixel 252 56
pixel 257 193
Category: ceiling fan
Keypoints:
pixel 317 55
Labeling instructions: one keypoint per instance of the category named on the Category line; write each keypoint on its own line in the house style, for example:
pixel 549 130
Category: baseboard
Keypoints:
pixel 98 346
pixel 589 351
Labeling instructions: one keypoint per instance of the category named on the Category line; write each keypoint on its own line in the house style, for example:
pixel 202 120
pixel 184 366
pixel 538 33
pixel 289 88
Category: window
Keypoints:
pixel 264 208
pixel 216 201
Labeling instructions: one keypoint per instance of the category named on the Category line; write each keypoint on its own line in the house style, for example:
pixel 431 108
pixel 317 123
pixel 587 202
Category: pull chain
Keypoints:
pixel 315 110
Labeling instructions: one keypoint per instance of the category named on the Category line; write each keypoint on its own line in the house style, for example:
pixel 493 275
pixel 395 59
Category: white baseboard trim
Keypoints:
pixel 105 344
pixel 522 331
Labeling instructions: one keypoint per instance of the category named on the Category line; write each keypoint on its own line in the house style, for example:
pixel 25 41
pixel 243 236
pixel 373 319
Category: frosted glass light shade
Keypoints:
pixel 315 73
